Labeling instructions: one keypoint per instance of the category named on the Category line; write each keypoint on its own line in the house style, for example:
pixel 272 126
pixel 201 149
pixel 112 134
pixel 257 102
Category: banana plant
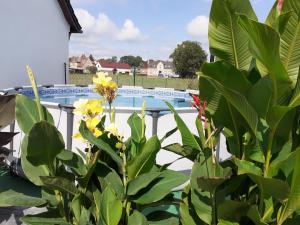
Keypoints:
pixel 103 185
pixel 257 108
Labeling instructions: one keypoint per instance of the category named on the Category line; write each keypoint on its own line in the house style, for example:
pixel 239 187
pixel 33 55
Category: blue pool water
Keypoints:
pixel 122 101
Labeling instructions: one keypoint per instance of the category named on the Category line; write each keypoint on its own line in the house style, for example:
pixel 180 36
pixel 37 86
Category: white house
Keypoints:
pixel 35 33
pixel 156 68
pixel 113 67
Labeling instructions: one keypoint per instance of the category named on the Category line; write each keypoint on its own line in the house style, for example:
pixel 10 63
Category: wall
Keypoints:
pixel 33 32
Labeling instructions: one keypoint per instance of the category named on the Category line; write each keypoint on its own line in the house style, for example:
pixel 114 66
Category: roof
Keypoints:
pixel 153 64
pixel 70 16
pixel 114 65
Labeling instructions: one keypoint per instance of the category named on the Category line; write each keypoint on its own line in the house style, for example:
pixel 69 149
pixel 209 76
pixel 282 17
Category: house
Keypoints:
pixel 35 33
pixel 157 68
pixel 110 67
pixel 80 64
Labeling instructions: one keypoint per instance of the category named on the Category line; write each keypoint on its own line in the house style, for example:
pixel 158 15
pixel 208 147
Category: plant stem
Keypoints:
pixel 126 210
pixel 269 152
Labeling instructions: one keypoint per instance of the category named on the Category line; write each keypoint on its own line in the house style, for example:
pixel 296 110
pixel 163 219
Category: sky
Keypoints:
pixel 148 28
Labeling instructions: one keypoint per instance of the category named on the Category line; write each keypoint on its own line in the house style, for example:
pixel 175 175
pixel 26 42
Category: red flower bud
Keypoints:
pixel 280 5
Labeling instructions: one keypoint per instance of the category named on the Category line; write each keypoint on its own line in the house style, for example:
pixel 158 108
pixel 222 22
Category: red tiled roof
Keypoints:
pixel 114 65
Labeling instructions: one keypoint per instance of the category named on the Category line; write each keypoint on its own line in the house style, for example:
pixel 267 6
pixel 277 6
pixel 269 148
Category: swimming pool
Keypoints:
pixel 59 100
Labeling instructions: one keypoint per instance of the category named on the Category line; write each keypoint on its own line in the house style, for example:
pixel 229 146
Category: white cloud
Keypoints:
pixel 129 32
pixel 96 28
pixel 198 29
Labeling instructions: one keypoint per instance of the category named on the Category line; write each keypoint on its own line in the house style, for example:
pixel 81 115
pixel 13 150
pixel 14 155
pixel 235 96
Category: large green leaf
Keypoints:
pixel 33 173
pixel 137 218
pixel 7 110
pixel 295 101
pixel 264 46
pixel 293 202
pixel 270 187
pixel 188 138
pixel 60 183
pixel 44 144
pixel 135 123
pixel 167 181
pixel 247 167
pixel 12 198
pixel 145 160
pixel 232 210
pixel 27 113
pixel 182 150
pixel 46 218
pixel 73 161
pixel 238 102
pixel 225 222
pixel 102 145
pixel 110 207
pixel 140 182
pixel 169 221
pixel 290 36
pixel 227 41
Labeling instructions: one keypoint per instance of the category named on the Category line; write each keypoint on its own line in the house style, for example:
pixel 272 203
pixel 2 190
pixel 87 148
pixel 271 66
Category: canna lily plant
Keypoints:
pixel 111 182
pixel 253 97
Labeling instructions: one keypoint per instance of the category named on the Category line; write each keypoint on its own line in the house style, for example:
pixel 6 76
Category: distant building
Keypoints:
pixel 107 66
pixel 80 64
pixel 35 33
pixel 157 68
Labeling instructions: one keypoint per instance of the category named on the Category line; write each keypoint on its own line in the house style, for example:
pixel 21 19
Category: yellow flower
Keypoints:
pixel 92 126
pixel 101 79
pixel 88 108
pixel 106 87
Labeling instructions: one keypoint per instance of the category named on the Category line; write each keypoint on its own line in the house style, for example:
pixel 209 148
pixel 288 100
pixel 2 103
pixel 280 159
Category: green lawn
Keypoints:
pixel 147 82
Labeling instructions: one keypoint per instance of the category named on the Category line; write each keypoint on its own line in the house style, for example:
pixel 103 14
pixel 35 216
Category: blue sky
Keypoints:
pixel 149 28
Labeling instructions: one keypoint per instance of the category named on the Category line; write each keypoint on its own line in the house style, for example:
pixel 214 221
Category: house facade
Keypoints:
pixel 113 67
pixel 80 64
pixel 157 68
pixel 35 33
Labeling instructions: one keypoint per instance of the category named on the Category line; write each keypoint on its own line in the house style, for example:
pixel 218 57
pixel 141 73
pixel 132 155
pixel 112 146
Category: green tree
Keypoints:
pixel 133 61
pixel 91 57
pixel 188 58
pixel 114 59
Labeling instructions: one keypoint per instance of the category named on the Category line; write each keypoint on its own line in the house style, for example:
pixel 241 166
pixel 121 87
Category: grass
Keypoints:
pixel 144 81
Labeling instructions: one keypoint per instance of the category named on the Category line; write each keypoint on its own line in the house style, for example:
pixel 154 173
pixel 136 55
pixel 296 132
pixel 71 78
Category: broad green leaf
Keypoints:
pixel 290 36
pixel 295 101
pixel 270 187
pixel 6 138
pixel 201 200
pixel 110 207
pixel 137 218
pixel 264 46
pixel 188 138
pixel 73 161
pixel 232 210
pixel 247 167
pixel 11 198
pixel 76 206
pixel 44 144
pixel 140 182
pixel 227 40
pixel 135 123
pixel 115 182
pixel 86 134
pixel 27 114
pixel 33 173
pixel 185 216
pixel 145 159
pixel 293 202
pixel 167 181
pixel 260 96
pixel 7 110
pixel 61 184
pixel 238 102
pixel 182 150
pixel 210 184
pixel 253 214
pixel 276 114
pixel 46 218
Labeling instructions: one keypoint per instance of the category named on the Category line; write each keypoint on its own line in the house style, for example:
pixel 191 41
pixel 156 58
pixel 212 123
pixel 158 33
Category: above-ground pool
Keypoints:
pixel 159 120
